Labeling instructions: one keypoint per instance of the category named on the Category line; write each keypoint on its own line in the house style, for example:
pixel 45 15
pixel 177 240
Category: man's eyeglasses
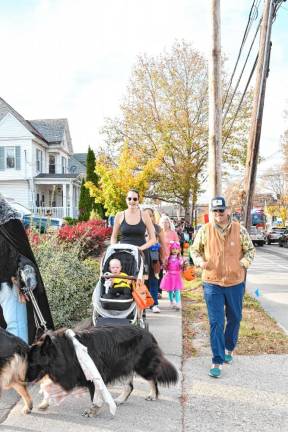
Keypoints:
pixel 219 211
pixel 132 199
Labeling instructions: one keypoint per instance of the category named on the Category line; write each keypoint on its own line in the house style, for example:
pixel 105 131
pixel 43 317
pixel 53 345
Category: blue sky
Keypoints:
pixel 73 58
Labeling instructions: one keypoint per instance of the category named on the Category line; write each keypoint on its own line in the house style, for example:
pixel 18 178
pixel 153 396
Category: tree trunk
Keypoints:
pixel 186 206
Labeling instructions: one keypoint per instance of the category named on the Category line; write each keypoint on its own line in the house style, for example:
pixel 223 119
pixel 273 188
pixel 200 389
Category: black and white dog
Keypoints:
pixel 13 366
pixel 118 353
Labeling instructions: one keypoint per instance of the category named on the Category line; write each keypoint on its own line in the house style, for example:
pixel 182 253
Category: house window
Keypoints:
pixel 39 156
pixel 64 165
pixel 52 164
pixel 10 157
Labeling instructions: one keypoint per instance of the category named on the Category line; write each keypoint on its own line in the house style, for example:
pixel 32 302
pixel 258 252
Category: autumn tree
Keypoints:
pixel 166 107
pixel 117 175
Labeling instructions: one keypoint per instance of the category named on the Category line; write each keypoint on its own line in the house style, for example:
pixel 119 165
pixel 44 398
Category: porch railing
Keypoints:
pixel 58 212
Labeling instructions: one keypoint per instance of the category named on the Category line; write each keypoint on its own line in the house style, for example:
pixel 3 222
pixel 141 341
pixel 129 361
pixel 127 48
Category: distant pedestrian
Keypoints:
pixel 224 250
pixel 172 281
pixel 169 234
pixel 157 255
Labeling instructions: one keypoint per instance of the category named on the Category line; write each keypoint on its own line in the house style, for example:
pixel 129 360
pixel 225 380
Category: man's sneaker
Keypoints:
pixel 228 359
pixel 215 372
pixel 155 309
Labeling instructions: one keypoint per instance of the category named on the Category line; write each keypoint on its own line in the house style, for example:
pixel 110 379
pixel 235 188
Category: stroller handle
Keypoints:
pixel 115 275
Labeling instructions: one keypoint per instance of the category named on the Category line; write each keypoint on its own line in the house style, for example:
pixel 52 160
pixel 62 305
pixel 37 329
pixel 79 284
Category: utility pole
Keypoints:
pixel 215 104
pixel 258 107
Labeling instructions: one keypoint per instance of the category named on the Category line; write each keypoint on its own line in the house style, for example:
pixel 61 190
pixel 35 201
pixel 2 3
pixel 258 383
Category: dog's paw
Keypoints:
pixel 27 410
pixel 119 401
pixel 92 411
pixel 43 405
pixel 150 398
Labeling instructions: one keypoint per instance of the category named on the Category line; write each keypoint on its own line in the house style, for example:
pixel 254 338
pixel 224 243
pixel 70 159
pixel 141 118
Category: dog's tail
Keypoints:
pixel 166 373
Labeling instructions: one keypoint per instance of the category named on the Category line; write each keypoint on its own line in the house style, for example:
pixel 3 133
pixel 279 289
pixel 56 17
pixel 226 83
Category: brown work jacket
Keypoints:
pixel 223 253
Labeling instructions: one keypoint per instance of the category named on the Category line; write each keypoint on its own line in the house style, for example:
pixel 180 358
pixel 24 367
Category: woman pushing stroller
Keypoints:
pixel 132 225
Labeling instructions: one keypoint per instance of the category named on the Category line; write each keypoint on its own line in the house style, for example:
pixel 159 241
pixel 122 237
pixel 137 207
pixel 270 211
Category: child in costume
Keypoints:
pixel 172 281
pixel 117 286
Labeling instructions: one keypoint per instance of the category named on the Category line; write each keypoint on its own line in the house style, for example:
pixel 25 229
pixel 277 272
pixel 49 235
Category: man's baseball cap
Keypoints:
pixel 218 203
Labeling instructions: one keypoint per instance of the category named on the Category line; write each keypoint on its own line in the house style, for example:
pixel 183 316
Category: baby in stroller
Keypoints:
pixel 117 286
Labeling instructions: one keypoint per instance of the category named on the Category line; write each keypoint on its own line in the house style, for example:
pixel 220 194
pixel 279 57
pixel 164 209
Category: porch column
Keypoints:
pixel 77 193
pixel 71 196
pixel 64 200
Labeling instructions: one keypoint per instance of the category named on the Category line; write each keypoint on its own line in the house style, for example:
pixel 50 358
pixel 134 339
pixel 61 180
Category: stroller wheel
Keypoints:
pixel 142 323
pixel 146 325
pixel 95 316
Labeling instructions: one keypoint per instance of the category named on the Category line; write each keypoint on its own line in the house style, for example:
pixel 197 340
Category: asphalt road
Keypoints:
pixel 268 277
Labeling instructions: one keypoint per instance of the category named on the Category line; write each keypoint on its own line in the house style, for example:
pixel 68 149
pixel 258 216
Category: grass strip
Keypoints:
pixel 259 333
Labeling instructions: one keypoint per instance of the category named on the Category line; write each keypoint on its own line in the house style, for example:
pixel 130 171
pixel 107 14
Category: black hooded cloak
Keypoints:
pixel 13 244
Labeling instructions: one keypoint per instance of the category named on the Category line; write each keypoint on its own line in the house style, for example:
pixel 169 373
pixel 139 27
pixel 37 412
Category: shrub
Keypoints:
pixel 70 221
pixel 90 234
pixel 69 282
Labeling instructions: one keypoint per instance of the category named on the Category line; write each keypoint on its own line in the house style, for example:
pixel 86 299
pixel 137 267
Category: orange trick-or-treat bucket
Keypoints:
pixel 189 273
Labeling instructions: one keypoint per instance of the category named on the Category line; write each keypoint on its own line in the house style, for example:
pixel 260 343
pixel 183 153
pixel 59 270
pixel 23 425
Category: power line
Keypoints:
pixel 277 7
pixel 241 100
pixel 242 71
pixel 251 17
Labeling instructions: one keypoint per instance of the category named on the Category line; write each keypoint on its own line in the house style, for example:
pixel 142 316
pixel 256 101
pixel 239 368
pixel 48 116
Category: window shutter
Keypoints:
pixel 2 163
pixel 18 157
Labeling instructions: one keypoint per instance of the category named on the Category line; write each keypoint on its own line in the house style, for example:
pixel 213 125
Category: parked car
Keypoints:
pixel 274 234
pixel 283 240
pixel 257 236
pixel 42 223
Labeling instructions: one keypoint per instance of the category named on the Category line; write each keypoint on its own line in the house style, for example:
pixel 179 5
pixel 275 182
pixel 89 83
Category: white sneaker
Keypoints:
pixel 155 309
pixel 172 305
pixel 177 307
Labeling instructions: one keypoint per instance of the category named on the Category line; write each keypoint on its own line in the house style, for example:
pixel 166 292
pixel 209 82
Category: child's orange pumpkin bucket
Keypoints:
pixel 189 273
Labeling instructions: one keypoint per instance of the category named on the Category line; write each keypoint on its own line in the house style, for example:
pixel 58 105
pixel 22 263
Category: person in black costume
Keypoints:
pixel 16 315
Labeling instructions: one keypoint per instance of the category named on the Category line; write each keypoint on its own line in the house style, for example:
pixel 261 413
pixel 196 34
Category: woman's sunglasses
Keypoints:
pixel 218 211
pixel 132 199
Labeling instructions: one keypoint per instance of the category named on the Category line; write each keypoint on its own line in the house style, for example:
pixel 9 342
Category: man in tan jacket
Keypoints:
pixel 224 250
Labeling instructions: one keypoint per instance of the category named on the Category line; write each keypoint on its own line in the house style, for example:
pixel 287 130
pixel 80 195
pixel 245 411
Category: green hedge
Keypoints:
pixel 69 282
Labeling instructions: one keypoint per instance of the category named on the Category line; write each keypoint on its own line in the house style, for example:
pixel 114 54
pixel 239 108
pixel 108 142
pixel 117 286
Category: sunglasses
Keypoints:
pixel 218 211
pixel 132 199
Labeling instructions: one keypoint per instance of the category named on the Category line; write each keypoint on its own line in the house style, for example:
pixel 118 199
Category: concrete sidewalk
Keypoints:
pixel 136 414
pixel 251 396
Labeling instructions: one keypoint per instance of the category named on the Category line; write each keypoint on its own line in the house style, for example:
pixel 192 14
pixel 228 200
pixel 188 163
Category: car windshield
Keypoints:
pixel 279 230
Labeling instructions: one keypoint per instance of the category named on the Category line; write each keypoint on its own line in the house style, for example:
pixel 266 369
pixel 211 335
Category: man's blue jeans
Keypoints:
pixel 223 301
pixel 14 312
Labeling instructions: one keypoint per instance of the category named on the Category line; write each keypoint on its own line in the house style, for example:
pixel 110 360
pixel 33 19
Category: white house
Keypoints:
pixel 37 165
